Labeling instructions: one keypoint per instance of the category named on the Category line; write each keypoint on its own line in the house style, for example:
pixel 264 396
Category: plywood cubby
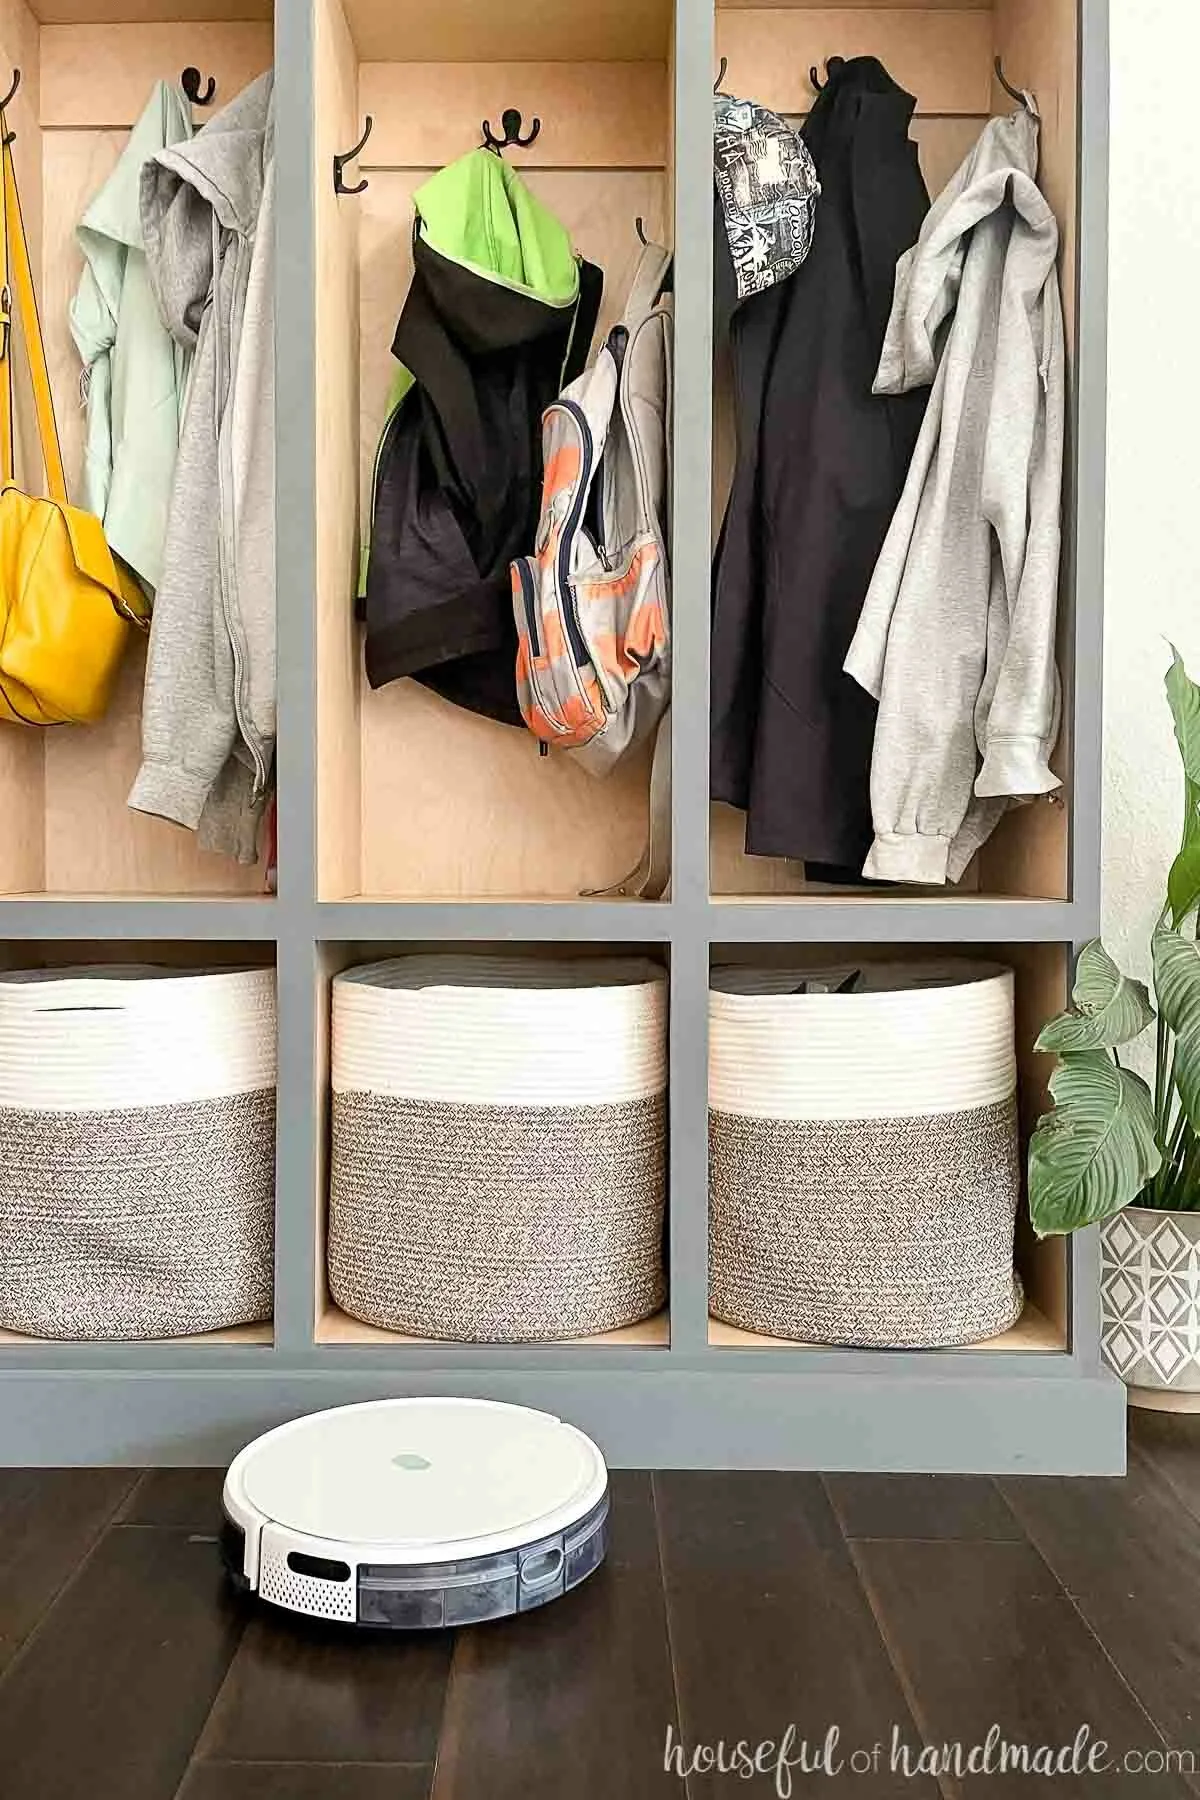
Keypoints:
pixel 1043 978
pixel 332 1326
pixel 943 54
pixel 87 67
pixel 418 798
pixel 64 953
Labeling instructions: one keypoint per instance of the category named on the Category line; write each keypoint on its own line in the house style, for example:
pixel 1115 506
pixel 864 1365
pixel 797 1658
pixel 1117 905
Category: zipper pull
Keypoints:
pixel 543 747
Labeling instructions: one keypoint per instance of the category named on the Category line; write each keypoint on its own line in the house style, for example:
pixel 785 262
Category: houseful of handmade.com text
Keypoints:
pixel 791 1754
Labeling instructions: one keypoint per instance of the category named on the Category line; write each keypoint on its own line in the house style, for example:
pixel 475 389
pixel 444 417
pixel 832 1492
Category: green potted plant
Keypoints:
pixel 1117 1153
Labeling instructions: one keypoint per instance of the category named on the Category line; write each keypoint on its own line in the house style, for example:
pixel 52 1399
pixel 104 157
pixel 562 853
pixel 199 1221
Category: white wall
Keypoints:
pixel 1153 504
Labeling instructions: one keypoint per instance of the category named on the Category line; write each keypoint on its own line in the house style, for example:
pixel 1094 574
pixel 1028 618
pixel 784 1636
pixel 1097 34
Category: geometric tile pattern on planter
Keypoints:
pixel 1150 1298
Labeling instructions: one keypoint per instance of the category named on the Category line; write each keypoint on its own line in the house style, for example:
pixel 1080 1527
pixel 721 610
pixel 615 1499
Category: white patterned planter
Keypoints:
pixel 1150 1299
pixel 498 1161
pixel 864 1172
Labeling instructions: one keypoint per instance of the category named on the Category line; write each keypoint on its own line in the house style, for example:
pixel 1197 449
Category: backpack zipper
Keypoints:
pixel 529 600
pixel 575 637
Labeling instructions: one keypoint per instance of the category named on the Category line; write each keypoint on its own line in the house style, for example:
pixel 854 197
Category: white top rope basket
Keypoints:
pixel 864 1171
pixel 498 1157
pixel 137 1150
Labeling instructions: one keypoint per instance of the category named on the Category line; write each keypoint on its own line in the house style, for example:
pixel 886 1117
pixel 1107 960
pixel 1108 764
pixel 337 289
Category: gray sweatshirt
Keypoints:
pixel 956 638
pixel 208 720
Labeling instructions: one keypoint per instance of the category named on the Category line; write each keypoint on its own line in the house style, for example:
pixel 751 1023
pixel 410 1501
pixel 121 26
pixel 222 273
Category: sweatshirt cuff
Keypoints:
pixel 1015 768
pixel 170 792
pixel 908 858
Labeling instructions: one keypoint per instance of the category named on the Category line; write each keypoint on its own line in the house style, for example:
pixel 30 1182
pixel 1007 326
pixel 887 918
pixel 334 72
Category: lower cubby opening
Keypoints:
pixel 1041 985
pixel 131 1114
pixel 427 1088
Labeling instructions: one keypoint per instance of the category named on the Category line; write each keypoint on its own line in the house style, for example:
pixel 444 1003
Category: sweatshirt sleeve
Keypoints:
pixel 1020 704
pixel 188 723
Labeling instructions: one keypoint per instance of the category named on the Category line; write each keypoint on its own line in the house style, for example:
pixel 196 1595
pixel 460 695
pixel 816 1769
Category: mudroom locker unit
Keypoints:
pixel 405 824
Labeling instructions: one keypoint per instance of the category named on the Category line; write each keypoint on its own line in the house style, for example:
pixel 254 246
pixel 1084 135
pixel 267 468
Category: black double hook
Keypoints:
pixel 10 136
pixel 1013 93
pixel 339 163
pixel 832 65
pixel 189 81
pixel 510 120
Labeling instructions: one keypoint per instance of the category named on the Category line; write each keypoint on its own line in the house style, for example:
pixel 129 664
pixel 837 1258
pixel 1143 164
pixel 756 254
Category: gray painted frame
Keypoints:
pixel 688 1405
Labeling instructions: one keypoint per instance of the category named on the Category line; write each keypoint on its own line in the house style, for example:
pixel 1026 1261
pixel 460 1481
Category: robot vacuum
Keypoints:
pixel 416 1514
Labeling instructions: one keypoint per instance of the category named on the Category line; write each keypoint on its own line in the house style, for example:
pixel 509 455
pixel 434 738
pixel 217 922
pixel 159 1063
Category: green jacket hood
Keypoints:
pixel 480 213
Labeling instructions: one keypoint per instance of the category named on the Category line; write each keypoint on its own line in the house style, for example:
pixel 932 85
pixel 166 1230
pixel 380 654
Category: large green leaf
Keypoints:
pixel 1095 1152
pixel 1184 697
pixel 1177 983
pixel 1109 1009
pixel 1183 883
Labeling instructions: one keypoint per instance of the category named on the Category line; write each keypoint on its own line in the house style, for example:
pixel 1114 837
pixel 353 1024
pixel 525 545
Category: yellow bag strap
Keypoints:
pixel 16 272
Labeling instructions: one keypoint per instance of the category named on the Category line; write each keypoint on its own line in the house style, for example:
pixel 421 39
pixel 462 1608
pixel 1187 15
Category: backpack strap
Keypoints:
pixel 652 876
pixel 16 274
pixel 649 277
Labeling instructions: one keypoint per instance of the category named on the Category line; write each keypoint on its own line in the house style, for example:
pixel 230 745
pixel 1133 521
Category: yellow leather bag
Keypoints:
pixel 66 609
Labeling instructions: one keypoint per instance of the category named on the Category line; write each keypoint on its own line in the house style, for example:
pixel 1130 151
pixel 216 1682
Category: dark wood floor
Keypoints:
pixel 732 1607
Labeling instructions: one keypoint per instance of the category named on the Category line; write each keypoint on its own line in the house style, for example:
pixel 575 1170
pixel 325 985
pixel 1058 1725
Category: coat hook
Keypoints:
pixel 511 123
pixel 189 81
pixel 832 65
pixel 8 98
pixel 719 83
pixel 640 227
pixel 339 163
pixel 1013 93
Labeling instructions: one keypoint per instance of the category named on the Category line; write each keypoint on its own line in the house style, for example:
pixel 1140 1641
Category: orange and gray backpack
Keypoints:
pixel 592 603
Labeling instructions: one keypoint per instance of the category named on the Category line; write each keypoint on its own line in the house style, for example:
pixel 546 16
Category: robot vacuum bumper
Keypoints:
pixel 416 1514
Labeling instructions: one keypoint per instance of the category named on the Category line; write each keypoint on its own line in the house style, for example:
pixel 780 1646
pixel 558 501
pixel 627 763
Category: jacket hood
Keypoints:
pixel 478 212
pixel 1000 171
pixel 218 176
pixel 112 223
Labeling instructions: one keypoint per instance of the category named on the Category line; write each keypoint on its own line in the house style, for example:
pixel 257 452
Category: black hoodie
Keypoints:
pixel 458 483
pixel 821 465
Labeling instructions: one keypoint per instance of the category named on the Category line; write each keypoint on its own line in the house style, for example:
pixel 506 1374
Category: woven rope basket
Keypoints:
pixel 498 1146
pixel 137 1151
pixel 864 1177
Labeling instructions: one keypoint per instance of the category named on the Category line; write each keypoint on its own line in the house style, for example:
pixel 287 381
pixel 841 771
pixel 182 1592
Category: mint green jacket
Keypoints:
pixel 135 371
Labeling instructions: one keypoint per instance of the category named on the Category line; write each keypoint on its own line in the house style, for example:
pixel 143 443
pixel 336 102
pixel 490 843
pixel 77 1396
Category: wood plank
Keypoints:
pixel 575 1698
pixel 1128 1554
pixel 129 1660
pixel 305 1691
pixel 1033 1334
pixel 943 59
pixel 922 1507
pixel 337 375
pixel 983 1635
pixel 518 31
pixel 594 114
pixel 769 1624
pixel 97 77
pixel 142 12
pixel 49 1520
pixel 177 1500
pixel 336 1327
pixel 305 1781
pixel 871 5
pixel 1171 1443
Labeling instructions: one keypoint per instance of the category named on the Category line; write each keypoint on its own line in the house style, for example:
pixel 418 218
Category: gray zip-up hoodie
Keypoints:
pixel 208 721
pixel 956 638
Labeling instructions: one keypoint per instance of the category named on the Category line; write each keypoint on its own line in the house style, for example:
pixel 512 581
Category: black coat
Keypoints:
pixel 820 467
pixel 459 475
